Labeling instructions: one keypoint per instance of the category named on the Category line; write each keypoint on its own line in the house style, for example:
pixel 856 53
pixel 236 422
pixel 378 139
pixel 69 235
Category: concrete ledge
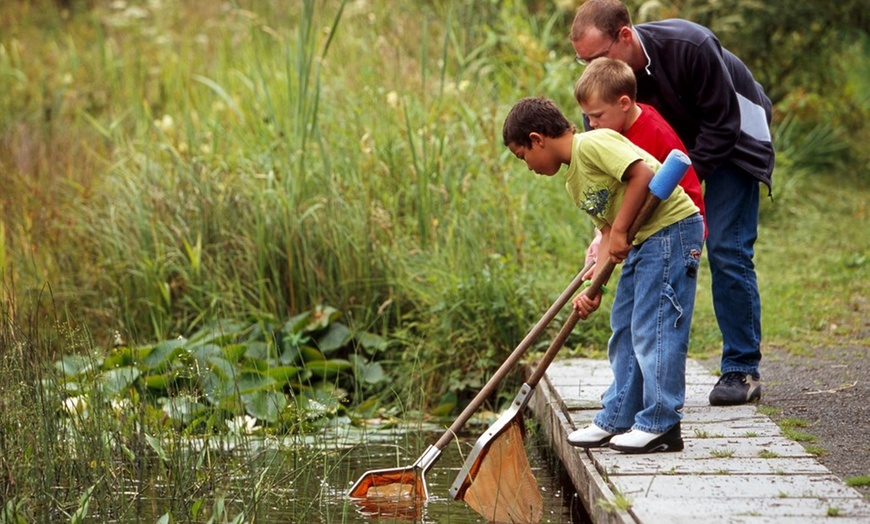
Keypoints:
pixel 589 484
pixel 737 466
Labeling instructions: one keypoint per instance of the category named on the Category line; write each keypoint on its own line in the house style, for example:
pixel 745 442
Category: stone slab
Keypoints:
pixel 684 464
pixel 737 465
pixel 755 510
pixel 724 487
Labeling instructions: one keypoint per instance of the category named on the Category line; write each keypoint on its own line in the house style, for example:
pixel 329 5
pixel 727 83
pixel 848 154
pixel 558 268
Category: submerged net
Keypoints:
pixel 500 485
pixel 398 484
pixel 390 493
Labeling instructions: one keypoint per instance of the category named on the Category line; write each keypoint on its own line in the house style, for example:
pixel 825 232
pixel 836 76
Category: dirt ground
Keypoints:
pixel 831 392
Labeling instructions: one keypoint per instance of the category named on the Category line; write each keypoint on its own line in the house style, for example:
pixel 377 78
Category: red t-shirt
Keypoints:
pixel 654 135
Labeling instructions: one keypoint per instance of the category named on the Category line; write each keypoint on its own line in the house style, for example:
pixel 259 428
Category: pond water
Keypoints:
pixel 306 479
pixel 338 461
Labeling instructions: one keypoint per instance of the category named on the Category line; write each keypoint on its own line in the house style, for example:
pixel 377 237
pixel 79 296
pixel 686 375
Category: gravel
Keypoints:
pixel 830 390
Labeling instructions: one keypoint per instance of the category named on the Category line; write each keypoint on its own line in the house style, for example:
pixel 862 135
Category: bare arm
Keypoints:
pixel 636 179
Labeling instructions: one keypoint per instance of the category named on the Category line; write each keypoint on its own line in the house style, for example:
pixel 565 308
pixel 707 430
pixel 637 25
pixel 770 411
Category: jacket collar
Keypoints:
pixel 648 67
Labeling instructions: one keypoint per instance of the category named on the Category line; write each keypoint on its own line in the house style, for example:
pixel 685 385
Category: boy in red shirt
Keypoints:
pixel 607 93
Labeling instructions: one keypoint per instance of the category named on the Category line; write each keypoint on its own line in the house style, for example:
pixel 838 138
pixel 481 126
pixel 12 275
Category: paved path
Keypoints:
pixel 737 465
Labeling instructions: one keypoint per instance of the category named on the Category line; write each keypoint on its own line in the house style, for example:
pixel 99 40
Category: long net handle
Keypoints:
pixel 508 365
pixel 646 210
pixel 662 184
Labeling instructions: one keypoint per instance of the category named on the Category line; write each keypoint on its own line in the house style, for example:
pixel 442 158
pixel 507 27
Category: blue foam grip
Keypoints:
pixel 669 175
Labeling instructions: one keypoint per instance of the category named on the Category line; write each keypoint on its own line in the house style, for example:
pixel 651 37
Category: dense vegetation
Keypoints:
pixel 227 172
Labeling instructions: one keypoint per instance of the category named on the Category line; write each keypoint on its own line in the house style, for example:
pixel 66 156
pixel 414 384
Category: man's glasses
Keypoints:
pixel 585 61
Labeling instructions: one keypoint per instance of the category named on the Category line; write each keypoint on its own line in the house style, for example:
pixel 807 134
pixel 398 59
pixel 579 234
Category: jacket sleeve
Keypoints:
pixel 715 99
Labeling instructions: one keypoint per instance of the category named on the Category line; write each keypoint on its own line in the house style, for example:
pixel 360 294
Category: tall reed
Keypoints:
pixel 307 157
pixel 185 161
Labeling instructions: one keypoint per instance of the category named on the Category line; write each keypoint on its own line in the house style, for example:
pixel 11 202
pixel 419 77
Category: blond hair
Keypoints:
pixel 608 80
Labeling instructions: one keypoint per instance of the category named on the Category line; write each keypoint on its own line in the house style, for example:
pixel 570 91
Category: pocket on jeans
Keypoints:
pixel 671 295
pixel 692 239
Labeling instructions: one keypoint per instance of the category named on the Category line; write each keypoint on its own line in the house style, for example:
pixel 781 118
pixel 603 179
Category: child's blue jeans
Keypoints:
pixel 651 318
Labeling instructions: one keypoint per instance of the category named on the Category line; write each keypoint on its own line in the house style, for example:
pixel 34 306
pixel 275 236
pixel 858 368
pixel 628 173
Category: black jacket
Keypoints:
pixel 708 96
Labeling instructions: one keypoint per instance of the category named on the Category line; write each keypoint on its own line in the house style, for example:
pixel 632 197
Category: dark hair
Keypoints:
pixel 608 16
pixel 607 79
pixel 534 115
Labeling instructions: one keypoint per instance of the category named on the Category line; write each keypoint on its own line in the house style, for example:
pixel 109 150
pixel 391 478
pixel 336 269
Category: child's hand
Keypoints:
pixel 585 306
pixel 619 246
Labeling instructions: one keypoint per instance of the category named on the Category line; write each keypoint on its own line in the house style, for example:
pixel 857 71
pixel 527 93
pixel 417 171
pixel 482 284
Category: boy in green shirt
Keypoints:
pixel 608 177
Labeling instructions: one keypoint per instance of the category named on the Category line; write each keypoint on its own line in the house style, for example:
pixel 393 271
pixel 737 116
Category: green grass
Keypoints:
pixel 769 410
pixel 814 450
pixel 862 481
pixel 170 164
pixel 619 503
pixel 792 422
pixel 799 436
pixel 250 178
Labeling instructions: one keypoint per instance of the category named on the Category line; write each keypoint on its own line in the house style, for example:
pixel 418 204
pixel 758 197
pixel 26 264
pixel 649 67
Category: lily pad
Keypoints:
pixel 234 352
pixel 253 382
pixel 259 349
pixel 266 405
pixel 371 343
pixel 336 336
pixel 183 410
pixel 116 380
pixel 309 354
pixel 159 382
pixel 328 368
pixel 164 353
pixel 74 365
pixel 368 372
pixel 284 374
pixel 296 324
pixel 119 357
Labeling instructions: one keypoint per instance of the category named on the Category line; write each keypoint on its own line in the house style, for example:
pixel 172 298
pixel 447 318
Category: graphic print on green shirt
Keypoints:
pixel 595 201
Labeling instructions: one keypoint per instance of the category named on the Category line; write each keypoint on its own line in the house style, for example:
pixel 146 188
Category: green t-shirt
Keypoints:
pixel 594 181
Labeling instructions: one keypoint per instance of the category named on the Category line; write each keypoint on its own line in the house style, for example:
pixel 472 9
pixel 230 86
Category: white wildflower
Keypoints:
pixel 242 425
pixel 393 99
pixel 75 405
pixel 165 124
pixel 121 405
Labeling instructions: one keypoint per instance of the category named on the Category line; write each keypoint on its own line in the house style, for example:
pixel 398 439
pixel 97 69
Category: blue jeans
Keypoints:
pixel 731 198
pixel 651 317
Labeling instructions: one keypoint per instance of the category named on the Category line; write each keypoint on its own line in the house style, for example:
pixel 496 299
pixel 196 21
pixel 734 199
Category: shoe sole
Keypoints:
pixel 652 447
pixel 755 397
pixel 603 443
pixel 669 442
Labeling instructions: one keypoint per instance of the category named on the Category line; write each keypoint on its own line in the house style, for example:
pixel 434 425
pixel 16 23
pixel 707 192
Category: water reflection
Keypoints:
pixel 401 448
pixel 306 479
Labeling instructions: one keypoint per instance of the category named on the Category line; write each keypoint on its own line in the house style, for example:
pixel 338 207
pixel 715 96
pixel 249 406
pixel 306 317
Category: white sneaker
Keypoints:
pixel 590 437
pixel 636 441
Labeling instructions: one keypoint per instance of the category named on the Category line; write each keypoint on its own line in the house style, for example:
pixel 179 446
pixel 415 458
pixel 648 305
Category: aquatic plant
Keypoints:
pixel 231 375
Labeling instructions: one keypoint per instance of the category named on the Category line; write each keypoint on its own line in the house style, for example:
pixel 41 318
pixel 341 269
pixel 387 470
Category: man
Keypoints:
pixel 723 116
